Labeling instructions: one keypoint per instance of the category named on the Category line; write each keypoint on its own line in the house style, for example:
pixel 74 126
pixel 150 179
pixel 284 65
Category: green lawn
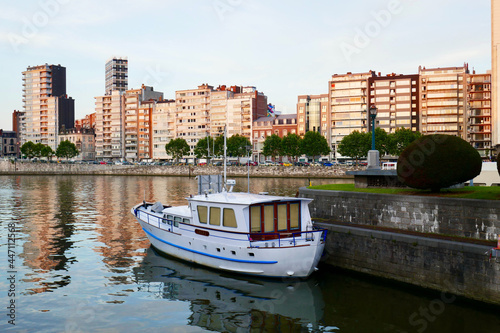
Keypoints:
pixel 468 192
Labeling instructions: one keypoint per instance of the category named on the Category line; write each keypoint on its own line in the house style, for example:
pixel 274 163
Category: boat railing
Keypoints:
pixel 268 239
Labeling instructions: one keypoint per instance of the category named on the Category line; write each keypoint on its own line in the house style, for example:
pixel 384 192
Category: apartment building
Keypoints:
pixel 87 122
pixel 397 100
pixel 193 114
pixel 164 128
pixel 236 107
pixel 348 102
pixel 479 113
pixel 312 114
pixel 109 126
pixel 263 127
pixel 443 93
pixel 84 140
pixel 46 107
pixel 138 107
pixel 8 144
pixel 122 124
pixel 116 71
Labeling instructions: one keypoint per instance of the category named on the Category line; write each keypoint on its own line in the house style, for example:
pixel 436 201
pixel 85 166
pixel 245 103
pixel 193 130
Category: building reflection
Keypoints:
pixel 120 235
pixel 50 227
pixel 230 303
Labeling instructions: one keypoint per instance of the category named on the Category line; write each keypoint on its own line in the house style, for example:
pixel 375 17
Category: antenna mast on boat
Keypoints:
pixel 225 151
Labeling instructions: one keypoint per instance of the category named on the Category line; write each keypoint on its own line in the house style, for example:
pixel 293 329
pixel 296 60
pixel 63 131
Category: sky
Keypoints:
pixel 283 48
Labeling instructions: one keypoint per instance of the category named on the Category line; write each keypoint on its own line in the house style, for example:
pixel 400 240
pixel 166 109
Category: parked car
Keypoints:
pixel 328 164
pixel 287 164
pixel 103 162
pixel 252 163
pixel 301 163
pixel 269 162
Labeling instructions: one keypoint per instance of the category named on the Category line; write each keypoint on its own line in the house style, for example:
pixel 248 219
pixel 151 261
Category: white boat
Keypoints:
pixel 245 233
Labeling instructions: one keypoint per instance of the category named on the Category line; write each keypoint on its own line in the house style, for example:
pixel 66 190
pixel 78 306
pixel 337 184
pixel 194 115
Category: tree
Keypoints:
pixel 237 145
pixel 28 149
pixel 355 145
pixel 290 145
pixel 37 149
pixel 66 149
pixel 381 141
pixel 47 152
pixel 204 148
pixel 400 139
pixel 314 144
pixel 272 146
pixel 177 148
pixel 219 146
pixel 438 161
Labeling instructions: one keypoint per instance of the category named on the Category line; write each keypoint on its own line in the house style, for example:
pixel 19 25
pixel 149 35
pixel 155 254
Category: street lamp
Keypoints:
pixel 373 154
pixel 373 115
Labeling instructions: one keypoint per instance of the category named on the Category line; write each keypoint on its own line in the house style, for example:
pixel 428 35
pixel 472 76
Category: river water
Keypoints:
pixel 73 259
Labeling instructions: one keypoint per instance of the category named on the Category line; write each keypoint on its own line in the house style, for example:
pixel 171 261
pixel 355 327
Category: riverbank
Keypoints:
pixel 9 168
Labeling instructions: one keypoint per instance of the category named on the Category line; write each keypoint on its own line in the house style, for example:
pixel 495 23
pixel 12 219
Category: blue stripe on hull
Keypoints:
pixel 206 254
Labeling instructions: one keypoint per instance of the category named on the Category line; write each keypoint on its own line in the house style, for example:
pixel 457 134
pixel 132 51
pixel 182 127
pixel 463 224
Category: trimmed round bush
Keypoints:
pixel 438 161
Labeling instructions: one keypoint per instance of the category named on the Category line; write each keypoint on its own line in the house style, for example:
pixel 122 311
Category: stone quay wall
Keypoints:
pixel 468 218
pixel 456 268
pixel 8 167
pixel 407 239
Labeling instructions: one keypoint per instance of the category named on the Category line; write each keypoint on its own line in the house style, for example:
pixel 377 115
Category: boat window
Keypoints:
pixel 177 219
pixel 170 218
pixel 186 221
pixel 268 218
pixel 229 218
pixel 282 225
pixel 294 215
pixel 255 219
pixel 214 216
pixel 202 214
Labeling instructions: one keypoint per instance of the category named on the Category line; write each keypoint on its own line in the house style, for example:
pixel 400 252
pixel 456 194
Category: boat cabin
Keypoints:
pixel 263 219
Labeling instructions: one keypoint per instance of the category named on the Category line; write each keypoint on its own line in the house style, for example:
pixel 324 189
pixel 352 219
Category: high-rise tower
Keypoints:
pixel 116 74
pixel 47 108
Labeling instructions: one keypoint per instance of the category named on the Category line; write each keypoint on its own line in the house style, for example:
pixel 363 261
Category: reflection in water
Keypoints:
pixel 82 266
pixel 50 206
pixel 229 303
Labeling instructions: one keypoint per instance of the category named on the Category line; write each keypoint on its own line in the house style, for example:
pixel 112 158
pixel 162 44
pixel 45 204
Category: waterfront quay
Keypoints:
pixel 438 243
pixel 11 167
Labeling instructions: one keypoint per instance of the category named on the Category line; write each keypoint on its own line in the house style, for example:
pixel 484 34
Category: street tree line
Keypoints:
pixel 355 145
pixel 208 147
pixel 65 149
pixel 312 144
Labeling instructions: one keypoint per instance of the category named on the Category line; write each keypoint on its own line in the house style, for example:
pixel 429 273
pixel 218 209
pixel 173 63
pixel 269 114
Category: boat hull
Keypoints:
pixel 285 258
